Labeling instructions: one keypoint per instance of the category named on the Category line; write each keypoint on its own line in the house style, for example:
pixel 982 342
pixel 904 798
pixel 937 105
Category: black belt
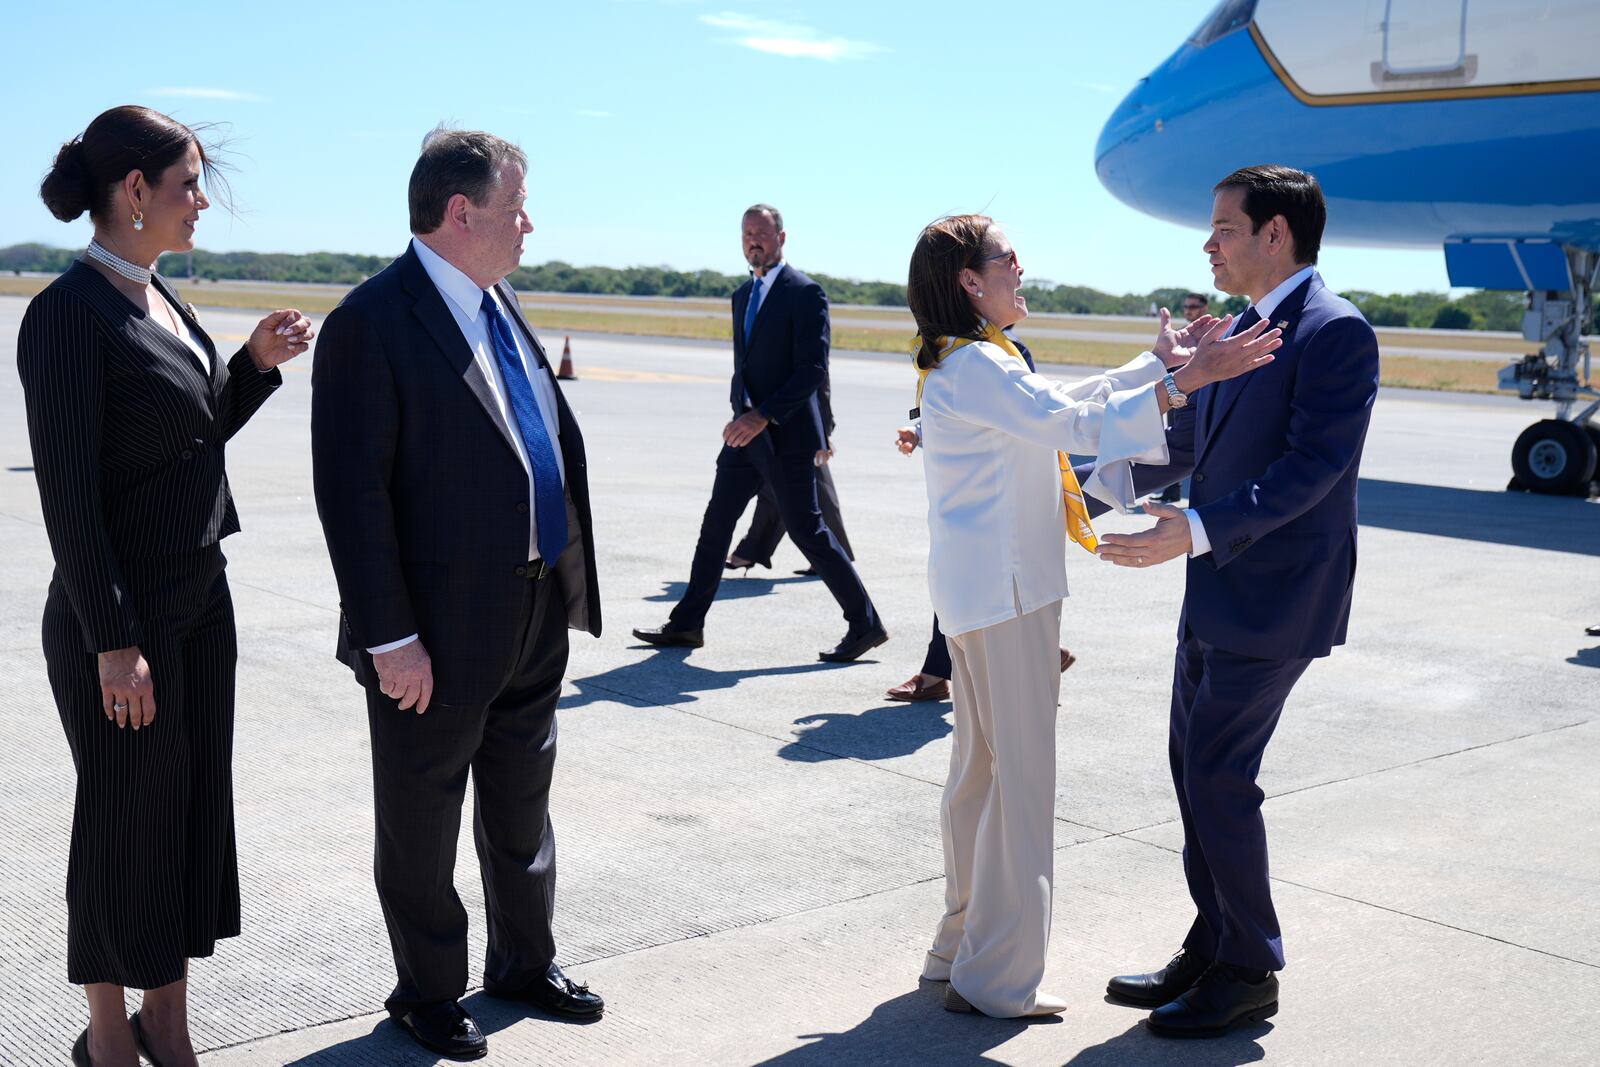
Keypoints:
pixel 537 569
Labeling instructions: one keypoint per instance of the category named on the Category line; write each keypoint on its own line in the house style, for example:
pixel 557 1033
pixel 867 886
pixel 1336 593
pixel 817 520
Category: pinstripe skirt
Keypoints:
pixel 152 878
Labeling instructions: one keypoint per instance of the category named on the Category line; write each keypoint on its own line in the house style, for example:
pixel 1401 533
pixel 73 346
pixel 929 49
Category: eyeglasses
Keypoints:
pixel 1011 255
pixel 1194 307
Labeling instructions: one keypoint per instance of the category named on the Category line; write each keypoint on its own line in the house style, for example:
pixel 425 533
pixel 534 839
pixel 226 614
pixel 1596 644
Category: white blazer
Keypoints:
pixel 990 433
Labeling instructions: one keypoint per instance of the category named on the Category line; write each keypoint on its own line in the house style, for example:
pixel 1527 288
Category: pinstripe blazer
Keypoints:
pixel 128 431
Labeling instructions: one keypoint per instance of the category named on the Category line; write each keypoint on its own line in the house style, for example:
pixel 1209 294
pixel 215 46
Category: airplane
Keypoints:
pixel 1474 127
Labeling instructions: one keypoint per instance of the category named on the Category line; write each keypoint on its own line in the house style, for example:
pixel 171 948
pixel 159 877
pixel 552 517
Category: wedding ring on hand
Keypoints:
pixel 119 707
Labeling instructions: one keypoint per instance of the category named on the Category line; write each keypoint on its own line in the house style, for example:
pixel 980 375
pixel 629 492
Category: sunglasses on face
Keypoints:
pixel 1011 256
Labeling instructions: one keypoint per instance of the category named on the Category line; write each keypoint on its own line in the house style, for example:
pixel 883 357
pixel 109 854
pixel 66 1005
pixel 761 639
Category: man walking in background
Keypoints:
pixel 780 355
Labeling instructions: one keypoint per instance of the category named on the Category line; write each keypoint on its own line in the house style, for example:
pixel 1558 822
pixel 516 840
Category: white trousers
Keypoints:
pixel 998 813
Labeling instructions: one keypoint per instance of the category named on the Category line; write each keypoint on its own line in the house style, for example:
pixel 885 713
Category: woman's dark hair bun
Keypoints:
pixel 68 190
pixel 119 141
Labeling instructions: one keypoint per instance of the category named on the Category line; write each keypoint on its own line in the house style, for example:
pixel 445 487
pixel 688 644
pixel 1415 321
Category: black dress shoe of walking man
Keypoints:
pixel 665 637
pixel 854 646
pixel 1159 987
pixel 1223 998
pixel 556 994
pixel 445 1028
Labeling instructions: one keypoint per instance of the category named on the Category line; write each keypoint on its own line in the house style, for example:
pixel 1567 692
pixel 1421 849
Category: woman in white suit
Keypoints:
pixel 1001 504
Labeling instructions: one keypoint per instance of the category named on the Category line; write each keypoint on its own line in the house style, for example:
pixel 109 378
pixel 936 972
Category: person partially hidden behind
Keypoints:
pixel 453 490
pixel 780 354
pixel 1271 540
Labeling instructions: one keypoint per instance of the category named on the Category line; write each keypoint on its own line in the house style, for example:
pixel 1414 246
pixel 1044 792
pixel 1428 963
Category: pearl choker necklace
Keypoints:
pixel 131 271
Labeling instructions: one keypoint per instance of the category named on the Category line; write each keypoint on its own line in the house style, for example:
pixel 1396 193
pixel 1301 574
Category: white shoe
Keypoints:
pixel 1045 1004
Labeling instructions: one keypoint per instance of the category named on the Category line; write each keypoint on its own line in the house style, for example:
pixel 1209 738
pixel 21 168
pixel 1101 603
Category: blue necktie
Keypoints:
pixel 751 308
pixel 549 505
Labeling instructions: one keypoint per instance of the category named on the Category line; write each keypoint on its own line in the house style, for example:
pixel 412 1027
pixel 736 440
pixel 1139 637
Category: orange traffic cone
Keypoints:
pixel 566 374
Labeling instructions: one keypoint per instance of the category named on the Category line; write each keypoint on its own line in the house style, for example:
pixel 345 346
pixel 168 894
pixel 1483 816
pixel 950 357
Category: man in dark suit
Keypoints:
pixel 1271 540
pixel 780 355
pixel 451 483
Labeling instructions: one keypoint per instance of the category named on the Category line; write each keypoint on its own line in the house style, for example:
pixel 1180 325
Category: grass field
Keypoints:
pixel 865 330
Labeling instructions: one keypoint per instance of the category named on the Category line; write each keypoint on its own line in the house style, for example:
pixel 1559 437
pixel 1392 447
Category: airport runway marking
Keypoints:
pixel 609 374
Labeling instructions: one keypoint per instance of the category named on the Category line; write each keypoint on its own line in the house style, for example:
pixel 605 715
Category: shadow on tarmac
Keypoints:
pixel 1587 657
pixel 906 1031
pixel 387 1044
pixel 1552 523
pixel 732 588
pixel 667 677
pixel 880 733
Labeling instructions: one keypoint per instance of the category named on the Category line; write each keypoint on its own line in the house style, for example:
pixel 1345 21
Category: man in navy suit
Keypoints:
pixel 1271 540
pixel 780 355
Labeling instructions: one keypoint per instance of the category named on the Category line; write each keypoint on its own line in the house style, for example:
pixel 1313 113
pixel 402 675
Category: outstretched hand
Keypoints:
pixel 1217 357
pixel 1167 539
pixel 1176 347
pixel 906 440
pixel 280 337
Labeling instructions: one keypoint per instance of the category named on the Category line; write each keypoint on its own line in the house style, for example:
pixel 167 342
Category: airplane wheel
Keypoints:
pixel 1555 457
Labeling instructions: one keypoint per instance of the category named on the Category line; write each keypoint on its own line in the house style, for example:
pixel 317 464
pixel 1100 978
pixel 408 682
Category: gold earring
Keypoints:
pixel 138 220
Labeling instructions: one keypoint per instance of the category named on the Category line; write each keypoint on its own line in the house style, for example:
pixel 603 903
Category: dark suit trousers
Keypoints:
pixel 419 767
pixel 152 878
pixel 766 526
pixel 741 472
pixel 1224 709
pixel 937 662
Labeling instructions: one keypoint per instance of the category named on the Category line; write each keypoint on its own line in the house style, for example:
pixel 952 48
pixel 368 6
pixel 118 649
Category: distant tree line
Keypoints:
pixel 1483 310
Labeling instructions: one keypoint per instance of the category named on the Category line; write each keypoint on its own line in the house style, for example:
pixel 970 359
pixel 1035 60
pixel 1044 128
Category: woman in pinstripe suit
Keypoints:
pixel 129 410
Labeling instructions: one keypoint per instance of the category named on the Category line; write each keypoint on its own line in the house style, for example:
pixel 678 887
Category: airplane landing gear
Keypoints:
pixel 1556 457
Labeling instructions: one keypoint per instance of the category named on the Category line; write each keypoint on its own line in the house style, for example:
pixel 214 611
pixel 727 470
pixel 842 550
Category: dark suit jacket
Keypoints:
pixel 786 361
pixel 1275 456
pixel 423 500
pixel 128 432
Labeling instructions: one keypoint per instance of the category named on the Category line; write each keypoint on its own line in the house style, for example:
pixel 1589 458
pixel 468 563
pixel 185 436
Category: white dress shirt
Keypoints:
pixel 1199 543
pixel 990 434
pixel 759 288
pixel 465 301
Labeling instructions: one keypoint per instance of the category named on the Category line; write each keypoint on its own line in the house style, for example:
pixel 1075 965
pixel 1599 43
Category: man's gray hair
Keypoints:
pixel 456 161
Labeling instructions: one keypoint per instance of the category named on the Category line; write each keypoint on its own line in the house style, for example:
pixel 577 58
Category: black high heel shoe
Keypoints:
pixel 138 1039
pixel 80 1050
pixel 743 564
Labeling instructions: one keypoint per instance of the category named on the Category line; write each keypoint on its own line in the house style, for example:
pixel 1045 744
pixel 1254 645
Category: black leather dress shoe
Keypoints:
pixel 1592 631
pixel 1159 987
pixel 1219 1001
pixel 662 637
pixel 854 646
pixel 445 1028
pixel 80 1051
pixel 807 572
pixel 556 994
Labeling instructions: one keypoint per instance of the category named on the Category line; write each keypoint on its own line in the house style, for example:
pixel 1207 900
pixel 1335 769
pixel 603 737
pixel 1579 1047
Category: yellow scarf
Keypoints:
pixel 1079 530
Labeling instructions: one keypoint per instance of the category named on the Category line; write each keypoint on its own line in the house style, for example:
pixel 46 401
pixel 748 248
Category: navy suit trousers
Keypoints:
pixel 1224 709
pixel 741 472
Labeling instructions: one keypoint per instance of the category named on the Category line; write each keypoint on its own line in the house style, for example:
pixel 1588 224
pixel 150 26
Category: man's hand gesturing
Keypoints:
pixel 405 674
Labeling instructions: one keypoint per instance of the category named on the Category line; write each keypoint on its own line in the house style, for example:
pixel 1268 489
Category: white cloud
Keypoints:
pixel 788 39
pixel 196 93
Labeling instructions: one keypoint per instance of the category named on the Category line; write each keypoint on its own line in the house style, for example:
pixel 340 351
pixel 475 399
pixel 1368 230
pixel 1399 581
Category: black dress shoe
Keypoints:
pixel 854 646
pixel 80 1050
pixel 1159 987
pixel 664 637
pixel 556 994
pixel 1222 999
pixel 445 1028
pixel 1592 631
pixel 807 572
pixel 138 1040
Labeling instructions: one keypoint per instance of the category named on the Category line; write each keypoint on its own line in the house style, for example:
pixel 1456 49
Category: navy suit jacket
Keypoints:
pixel 423 499
pixel 1275 457
pixel 786 361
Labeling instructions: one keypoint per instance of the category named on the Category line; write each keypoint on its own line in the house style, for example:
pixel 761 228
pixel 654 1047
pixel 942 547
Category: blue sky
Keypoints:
pixel 650 124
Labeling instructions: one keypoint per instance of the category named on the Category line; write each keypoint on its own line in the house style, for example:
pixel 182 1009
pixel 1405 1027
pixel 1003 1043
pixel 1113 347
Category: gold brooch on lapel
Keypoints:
pixel 193 314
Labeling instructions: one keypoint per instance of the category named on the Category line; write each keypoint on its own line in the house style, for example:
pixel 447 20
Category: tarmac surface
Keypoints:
pixel 749 839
